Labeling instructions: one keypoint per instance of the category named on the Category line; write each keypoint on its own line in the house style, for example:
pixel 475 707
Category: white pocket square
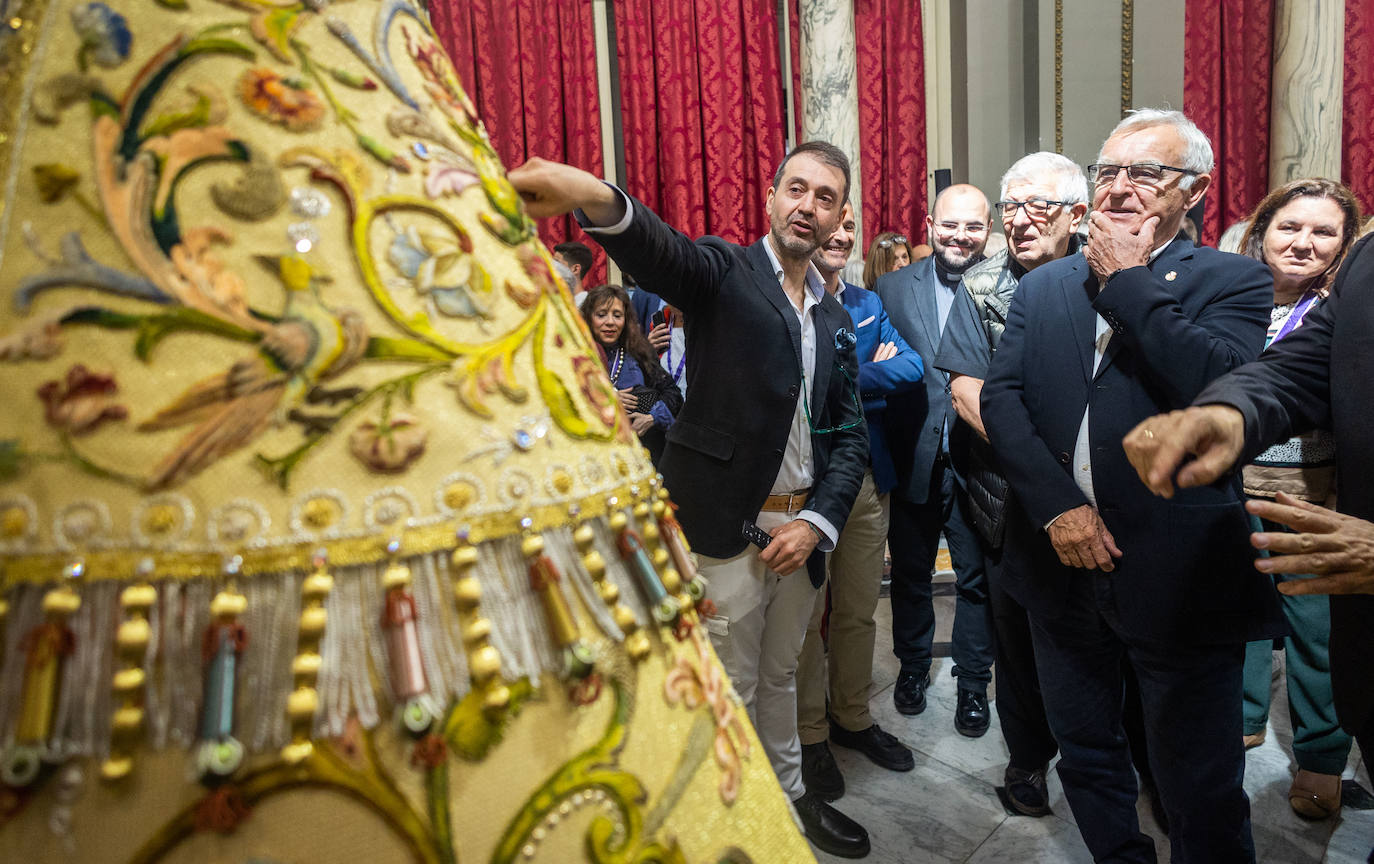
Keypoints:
pixel 864 323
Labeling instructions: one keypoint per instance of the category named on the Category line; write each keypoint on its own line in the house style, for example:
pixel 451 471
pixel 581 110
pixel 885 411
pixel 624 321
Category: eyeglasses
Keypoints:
pixel 1036 208
pixel 895 241
pixel 949 229
pixel 1140 173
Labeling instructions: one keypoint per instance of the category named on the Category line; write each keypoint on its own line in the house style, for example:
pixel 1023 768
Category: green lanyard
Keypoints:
pixel 853 392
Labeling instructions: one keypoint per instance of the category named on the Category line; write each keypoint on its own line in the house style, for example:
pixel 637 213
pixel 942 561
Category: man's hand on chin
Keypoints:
pixel 792 545
pixel 1082 540
pixel 1112 246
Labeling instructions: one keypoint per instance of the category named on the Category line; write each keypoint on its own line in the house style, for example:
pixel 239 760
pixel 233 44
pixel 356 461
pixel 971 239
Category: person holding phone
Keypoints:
pixel 644 389
pixel 673 354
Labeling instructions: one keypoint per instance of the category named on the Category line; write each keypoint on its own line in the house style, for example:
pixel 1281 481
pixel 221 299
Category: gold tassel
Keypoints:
pixel 484 662
pixel 46 645
pixel 579 660
pixel 131 642
pixel 304 700
pixel 636 643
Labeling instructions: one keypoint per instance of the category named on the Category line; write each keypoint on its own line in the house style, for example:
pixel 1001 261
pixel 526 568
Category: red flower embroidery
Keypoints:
pixel 82 403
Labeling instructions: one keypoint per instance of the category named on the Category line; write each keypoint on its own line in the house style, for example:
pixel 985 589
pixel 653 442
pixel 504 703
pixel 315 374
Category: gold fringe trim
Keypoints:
pixel 123 564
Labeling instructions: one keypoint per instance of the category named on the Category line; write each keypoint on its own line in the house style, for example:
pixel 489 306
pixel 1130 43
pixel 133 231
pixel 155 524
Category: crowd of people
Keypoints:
pixel 1130 442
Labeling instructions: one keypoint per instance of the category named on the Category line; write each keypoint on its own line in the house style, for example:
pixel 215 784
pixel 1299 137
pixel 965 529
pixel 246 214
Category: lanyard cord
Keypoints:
pixel 853 392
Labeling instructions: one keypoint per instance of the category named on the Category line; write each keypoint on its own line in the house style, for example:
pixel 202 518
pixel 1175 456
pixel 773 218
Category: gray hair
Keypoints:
pixel 1231 237
pixel 1197 150
pixel 1070 183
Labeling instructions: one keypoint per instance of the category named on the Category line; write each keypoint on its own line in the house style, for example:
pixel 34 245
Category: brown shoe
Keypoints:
pixel 1315 796
pixel 1253 741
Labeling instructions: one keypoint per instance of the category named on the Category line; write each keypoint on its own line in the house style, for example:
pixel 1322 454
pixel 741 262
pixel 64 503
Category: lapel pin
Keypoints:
pixel 1171 276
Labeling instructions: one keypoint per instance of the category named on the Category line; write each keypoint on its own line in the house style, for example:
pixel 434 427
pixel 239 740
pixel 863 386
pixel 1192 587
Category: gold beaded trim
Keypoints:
pixel 124 564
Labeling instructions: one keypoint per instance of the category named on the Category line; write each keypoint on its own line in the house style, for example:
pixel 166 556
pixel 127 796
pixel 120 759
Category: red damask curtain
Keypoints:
pixel 1357 133
pixel 530 67
pixel 1227 51
pixel 892 116
pixel 701 103
pixel 892 113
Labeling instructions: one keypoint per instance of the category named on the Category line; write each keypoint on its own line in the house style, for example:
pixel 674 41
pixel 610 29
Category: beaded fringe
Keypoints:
pixel 353 679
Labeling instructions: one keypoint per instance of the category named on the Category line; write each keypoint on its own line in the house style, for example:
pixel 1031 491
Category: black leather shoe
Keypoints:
pixel 909 694
pixel 882 747
pixel 820 773
pixel 1026 791
pixel 829 830
pixel 972 715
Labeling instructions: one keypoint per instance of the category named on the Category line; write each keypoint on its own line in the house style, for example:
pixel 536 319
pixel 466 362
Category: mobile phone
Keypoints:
pixel 659 318
pixel 756 535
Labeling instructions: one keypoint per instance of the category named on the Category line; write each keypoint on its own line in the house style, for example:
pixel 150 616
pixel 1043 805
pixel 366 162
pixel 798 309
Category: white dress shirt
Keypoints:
pixel 1082 450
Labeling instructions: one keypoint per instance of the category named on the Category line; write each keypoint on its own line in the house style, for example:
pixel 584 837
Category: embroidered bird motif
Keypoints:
pixel 309 344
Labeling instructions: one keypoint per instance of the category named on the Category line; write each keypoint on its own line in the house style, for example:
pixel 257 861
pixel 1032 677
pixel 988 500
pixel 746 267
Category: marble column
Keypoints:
pixel 1305 103
pixel 829 88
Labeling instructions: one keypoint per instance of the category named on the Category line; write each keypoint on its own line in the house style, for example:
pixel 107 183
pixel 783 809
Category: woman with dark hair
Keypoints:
pixel 1302 230
pixel 646 391
pixel 889 251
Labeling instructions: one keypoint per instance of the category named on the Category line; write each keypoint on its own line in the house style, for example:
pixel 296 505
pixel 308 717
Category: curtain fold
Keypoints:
pixel 1227 57
pixel 702 108
pixel 530 67
pixel 1357 135
pixel 892 116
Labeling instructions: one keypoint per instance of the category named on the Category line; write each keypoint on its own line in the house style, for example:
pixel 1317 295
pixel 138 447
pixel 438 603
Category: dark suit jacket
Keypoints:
pixel 1186 575
pixel 879 381
pixel 743 381
pixel 1291 390
pixel 914 419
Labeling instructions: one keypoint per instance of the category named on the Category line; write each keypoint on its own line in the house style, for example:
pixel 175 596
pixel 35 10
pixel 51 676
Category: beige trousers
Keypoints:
pixel 855 578
pixel 757 632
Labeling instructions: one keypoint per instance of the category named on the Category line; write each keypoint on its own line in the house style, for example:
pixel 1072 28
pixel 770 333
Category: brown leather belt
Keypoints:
pixel 786 502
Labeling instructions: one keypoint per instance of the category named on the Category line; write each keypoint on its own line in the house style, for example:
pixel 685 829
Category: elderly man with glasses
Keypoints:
pixel 918 299
pixel 1044 201
pixel 1108 573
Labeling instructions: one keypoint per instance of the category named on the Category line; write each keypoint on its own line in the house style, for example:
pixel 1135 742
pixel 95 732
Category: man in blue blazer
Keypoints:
pixel 1094 344
pixel 925 501
pixel 887 365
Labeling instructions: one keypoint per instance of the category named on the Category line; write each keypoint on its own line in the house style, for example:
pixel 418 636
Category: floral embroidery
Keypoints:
pixel 703 683
pixel 425 258
pixel 447 178
pixel 105 36
pixel 82 403
pixel 280 100
pixel 41 341
pixel 390 444
pixel 591 378
pixel 441 82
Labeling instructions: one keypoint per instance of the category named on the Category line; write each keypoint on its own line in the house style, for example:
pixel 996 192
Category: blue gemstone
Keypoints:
pixel 421 150
pixel 523 439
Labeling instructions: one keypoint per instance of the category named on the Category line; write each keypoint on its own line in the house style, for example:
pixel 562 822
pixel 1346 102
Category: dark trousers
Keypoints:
pixel 914 539
pixel 1020 707
pixel 1190 695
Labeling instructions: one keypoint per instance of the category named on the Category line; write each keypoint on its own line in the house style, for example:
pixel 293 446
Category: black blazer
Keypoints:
pixel 1186 575
pixel 1291 390
pixel 743 380
pixel 914 419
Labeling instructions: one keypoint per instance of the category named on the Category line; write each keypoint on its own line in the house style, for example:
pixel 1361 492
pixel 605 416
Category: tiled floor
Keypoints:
pixel 946 810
